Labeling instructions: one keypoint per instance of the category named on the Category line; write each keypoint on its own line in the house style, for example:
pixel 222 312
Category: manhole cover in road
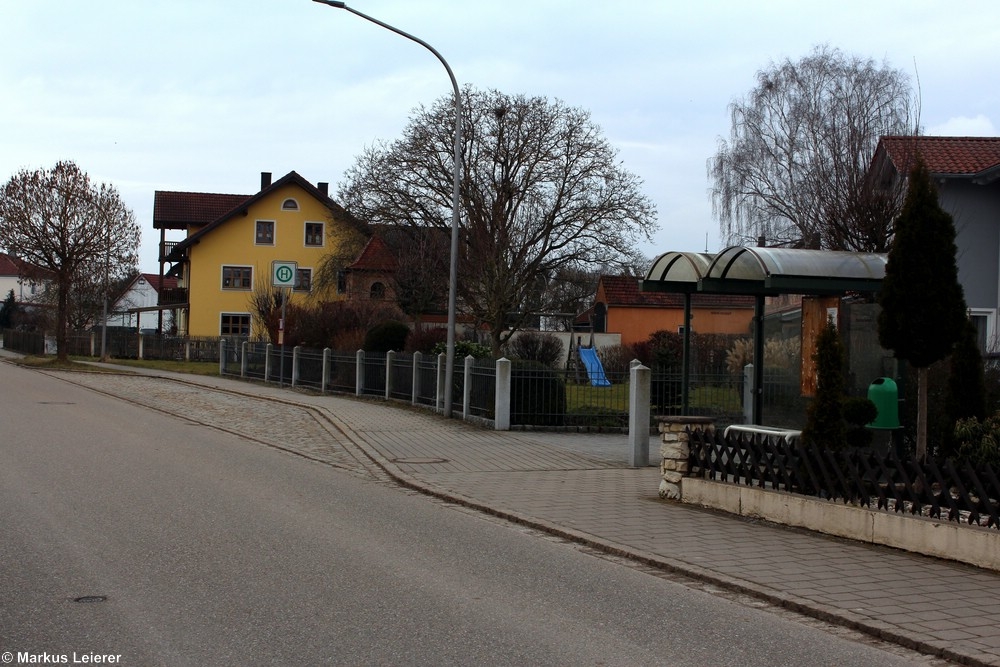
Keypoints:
pixel 89 599
pixel 419 459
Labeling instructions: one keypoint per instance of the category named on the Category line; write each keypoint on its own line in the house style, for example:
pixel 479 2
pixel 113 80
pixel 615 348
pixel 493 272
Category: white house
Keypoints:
pixel 11 278
pixel 137 309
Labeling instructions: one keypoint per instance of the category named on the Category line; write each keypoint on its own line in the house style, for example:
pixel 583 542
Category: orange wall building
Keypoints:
pixel 635 315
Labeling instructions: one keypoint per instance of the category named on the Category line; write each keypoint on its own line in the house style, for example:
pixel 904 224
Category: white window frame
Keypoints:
pixel 274 233
pixel 227 314
pixel 992 343
pixel 305 234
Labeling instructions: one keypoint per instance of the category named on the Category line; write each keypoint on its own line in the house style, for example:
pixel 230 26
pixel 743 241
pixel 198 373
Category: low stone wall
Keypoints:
pixel 975 545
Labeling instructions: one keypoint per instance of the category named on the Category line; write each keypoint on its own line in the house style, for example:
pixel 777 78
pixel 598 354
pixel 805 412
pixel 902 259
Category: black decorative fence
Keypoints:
pixel 955 490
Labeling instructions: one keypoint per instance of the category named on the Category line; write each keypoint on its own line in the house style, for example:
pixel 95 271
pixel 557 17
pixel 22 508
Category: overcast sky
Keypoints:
pixel 203 95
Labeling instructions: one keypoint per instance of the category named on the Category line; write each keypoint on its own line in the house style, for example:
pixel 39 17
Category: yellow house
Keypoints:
pixel 233 240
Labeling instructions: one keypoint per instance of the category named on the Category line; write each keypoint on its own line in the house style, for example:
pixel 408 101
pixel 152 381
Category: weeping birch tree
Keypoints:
pixel 793 170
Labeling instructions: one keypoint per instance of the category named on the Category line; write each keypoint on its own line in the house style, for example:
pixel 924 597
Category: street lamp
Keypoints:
pixel 456 175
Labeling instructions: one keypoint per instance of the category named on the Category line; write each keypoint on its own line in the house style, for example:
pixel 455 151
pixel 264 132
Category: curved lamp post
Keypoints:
pixel 453 275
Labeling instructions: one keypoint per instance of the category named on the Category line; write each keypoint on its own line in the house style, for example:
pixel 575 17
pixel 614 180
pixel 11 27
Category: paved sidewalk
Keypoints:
pixel 578 486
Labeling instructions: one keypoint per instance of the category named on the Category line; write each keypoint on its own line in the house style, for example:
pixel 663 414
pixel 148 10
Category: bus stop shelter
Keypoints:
pixel 760 272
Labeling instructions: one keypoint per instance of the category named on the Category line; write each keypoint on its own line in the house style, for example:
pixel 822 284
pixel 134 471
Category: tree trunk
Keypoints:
pixel 922 414
pixel 62 317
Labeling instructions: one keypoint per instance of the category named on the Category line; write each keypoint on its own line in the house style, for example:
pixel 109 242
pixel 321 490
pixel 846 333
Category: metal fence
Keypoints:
pixel 955 489
pixel 540 396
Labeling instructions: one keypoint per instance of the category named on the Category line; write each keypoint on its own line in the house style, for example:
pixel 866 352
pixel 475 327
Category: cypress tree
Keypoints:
pixel 7 311
pixel 923 306
pixel 825 427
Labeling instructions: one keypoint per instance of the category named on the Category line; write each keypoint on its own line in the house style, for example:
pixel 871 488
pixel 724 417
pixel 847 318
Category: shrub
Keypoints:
pixel 966 396
pixel 779 353
pixel 463 349
pixel 424 339
pixel 859 412
pixel 535 346
pixel 537 395
pixel 385 336
pixel 616 359
pixel 979 442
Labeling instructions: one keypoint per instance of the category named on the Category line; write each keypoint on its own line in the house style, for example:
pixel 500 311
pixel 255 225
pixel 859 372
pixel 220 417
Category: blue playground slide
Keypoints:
pixel 595 370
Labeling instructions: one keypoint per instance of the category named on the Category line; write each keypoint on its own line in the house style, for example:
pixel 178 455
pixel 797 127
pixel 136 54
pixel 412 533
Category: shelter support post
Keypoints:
pixel 758 359
pixel 686 359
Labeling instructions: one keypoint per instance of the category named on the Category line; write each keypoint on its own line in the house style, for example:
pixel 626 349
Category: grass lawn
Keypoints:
pixel 192 367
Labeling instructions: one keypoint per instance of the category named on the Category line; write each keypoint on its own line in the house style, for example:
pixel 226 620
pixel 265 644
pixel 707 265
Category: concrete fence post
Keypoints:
pixel 439 390
pixel 418 359
pixel 187 349
pixel 222 356
pixel 359 372
pixel 390 359
pixel 267 362
pixel 501 401
pixel 325 378
pixel 244 358
pixel 295 365
pixel 748 394
pixel 640 380
pixel 467 388
pixel 141 340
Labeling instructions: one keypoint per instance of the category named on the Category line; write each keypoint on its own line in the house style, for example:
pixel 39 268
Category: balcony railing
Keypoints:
pixel 177 295
pixel 166 248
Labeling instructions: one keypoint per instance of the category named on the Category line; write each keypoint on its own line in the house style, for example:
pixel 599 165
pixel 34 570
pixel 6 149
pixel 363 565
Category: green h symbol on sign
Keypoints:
pixel 283 274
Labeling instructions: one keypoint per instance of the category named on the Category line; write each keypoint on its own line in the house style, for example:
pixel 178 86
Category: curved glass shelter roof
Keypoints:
pixel 767 271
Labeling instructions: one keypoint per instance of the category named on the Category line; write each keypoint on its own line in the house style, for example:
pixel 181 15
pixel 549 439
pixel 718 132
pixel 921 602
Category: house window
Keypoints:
pixel 378 291
pixel 234 324
pixel 982 319
pixel 237 277
pixel 303 280
pixel 314 233
pixel 265 232
pixel 289 205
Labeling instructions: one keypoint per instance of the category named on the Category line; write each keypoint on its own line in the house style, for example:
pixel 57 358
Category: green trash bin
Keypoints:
pixel 885 395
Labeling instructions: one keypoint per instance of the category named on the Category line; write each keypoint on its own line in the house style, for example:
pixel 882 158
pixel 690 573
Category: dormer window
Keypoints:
pixel 289 205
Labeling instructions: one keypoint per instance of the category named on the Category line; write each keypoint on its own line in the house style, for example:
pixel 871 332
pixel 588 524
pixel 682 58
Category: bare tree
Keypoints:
pixel 60 222
pixel 542 191
pixel 265 308
pixel 793 169
pixel 420 278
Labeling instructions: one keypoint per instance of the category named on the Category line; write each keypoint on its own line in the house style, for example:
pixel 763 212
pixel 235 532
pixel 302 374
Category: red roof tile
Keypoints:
pixel 8 267
pixel 177 210
pixel 957 156
pixel 624 291
pixel 376 256
pixel 169 282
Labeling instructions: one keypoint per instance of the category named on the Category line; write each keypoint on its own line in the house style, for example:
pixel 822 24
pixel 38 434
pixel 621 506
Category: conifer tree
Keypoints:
pixel 825 427
pixel 923 305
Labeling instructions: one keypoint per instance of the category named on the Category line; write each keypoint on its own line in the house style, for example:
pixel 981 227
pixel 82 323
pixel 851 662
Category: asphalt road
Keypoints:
pixel 207 548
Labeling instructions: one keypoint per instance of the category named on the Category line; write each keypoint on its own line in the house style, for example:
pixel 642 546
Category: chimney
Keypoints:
pixel 265 179
pixel 324 188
